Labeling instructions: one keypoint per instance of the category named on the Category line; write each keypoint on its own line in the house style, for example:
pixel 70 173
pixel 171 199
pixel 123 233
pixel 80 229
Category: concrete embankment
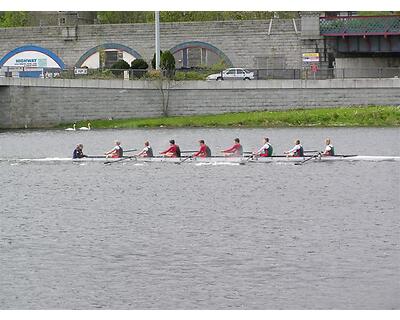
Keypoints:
pixel 48 102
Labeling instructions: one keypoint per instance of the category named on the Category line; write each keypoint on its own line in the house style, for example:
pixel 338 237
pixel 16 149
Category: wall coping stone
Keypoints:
pixel 205 85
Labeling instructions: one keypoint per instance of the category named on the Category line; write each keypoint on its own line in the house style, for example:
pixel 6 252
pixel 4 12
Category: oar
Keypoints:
pixel 247 159
pixel 120 159
pixel 182 161
pixel 304 161
pixel 131 150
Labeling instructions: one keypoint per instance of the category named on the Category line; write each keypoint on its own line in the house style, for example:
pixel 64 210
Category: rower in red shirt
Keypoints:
pixel 204 151
pixel 173 151
pixel 235 151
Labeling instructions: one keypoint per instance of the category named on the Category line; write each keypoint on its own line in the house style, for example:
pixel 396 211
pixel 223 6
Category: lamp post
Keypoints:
pixel 157 21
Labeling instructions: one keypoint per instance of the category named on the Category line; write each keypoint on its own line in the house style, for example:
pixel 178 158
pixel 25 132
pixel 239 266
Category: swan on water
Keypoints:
pixel 85 128
pixel 71 129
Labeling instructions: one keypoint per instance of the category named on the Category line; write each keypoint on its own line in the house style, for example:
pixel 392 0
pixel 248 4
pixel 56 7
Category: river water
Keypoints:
pixel 163 236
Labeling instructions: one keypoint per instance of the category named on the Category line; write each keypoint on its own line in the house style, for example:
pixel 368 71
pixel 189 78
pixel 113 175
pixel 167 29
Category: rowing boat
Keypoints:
pixel 211 160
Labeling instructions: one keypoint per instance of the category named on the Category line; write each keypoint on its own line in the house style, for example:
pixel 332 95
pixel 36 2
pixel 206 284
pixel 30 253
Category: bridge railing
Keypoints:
pixel 360 25
pixel 326 73
pixel 259 74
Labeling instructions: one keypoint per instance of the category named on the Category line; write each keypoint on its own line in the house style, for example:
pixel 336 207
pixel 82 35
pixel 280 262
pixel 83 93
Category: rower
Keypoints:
pixel 147 151
pixel 296 151
pixel 173 151
pixel 116 152
pixel 204 152
pixel 235 151
pixel 78 152
pixel 266 150
pixel 329 149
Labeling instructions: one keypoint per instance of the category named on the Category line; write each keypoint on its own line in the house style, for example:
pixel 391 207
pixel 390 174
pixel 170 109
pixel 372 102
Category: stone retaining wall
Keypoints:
pixel 47 102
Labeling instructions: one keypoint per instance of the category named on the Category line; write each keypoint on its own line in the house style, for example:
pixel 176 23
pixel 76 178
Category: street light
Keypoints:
pixel 157 21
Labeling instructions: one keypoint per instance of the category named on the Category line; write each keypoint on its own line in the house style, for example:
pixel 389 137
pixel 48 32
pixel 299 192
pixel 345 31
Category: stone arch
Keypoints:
pixel 203 45
pixel 53 62
pixel 106 46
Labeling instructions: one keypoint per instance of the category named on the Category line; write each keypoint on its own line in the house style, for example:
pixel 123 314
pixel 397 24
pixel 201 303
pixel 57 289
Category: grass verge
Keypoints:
pixel 374 116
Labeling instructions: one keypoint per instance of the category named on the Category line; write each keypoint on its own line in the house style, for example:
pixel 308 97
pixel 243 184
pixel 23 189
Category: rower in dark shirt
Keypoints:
pixel 78 152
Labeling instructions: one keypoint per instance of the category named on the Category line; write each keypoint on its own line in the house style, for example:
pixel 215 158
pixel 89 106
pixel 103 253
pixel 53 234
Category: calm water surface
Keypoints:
pixel 163 236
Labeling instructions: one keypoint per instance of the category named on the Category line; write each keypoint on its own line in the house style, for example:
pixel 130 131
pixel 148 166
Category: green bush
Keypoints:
pixel 139 64
pixel 120 64
pixel 167 63
pixel 139 67
pixel 218 67
pixel 153 61
pixel 190 75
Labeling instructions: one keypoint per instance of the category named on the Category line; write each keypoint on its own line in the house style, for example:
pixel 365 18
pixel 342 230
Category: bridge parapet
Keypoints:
pixel 360 26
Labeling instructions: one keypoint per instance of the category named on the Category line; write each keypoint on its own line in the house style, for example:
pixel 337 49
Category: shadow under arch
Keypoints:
pixel 204 45
pixel 45 51
pixel 106 46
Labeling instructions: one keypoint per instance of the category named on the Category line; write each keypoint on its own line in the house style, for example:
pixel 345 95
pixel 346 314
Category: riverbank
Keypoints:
pixel 374 116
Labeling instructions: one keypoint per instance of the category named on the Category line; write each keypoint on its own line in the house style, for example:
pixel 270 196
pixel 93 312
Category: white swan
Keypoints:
pixel 85 128
pixel 71 129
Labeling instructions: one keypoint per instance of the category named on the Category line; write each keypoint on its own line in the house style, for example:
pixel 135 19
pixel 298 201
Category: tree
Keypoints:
pixel 153 61
pixel 167 63
pixel 11 19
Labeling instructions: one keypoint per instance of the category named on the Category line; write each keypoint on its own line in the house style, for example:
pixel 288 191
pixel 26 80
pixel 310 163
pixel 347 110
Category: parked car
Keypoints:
pixel 232 74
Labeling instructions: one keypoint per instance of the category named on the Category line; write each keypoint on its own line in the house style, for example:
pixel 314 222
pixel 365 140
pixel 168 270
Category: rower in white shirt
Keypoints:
pixel 266 150
pixel 329 148
pixel 116 152
pixel 147 151
pixel 296 151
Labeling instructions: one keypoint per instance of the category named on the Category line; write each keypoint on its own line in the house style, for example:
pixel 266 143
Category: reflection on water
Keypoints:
pixel 322 235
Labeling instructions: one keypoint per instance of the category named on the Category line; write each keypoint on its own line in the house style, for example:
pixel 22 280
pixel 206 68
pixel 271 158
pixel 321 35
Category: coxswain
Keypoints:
pixel 173 151
pixel 266 150
pixel 235 151
pixel 296 151
pixel 116 152
pixel 78 152
pixel 204 152
pixel 147 151
pixel 329 149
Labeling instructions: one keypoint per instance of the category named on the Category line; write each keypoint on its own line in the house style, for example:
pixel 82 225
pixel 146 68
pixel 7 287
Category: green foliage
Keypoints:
pixel 20 19
pixel 120 64
pixel 189 75
pixel 218 67
pixel 153 61
pixel 11 19
pixel 167 61
pixel 112 17
pixel 152 75
pixel 374 116
pixel 139 64
pixel 181 16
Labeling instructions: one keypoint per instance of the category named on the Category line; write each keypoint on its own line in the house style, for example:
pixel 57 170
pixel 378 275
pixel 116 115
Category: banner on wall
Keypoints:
pixel 310 57
pixel 32 59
